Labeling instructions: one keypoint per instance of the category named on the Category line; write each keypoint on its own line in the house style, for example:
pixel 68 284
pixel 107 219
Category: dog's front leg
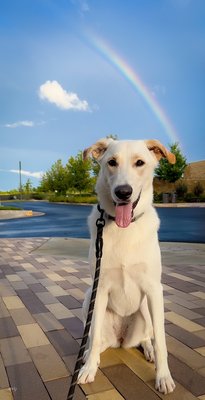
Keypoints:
pixel 164 381
pixel 88 371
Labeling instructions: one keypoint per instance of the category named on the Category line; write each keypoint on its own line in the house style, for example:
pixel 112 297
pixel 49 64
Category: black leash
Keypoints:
pixel 98 247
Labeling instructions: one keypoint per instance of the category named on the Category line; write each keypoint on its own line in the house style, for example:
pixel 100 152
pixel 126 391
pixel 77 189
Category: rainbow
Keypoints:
pixel 134 79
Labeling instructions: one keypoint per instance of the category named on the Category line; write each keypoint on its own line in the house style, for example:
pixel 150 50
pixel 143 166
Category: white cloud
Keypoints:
pixel 53 92
pixel 20 123
pixel 37 175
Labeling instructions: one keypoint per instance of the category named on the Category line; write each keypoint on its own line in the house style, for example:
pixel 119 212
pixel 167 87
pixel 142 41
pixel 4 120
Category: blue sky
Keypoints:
pixel 59 93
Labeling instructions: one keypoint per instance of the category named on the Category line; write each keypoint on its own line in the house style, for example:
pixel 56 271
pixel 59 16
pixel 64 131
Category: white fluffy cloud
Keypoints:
pixel 53 92
pixel 20 123
pixel 37 175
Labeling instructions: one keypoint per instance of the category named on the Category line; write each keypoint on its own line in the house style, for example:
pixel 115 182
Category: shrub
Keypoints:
pixel 39 196
pixel 84 199
pixel 181 190
pixel 190 197
pixel 202 198
pixel 157 197
pixel 198 189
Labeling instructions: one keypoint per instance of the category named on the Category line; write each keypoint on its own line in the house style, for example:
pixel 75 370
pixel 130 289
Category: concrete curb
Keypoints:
pixel 179 205
pixel 11 214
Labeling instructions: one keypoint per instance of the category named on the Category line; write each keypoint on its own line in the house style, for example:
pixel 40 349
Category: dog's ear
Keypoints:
pixel 98 149
pixel 160 151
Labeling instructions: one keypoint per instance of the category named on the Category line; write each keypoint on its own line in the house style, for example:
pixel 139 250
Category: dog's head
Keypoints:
pixel 127 170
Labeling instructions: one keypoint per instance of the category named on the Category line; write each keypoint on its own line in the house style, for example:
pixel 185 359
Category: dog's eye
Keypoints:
pixel 112 163
pixel 139 163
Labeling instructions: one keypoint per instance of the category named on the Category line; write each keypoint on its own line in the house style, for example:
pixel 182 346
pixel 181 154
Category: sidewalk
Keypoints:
pixel 42 285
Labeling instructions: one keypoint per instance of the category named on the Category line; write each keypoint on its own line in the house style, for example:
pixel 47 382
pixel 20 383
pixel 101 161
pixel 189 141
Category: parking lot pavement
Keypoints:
pixel 41 326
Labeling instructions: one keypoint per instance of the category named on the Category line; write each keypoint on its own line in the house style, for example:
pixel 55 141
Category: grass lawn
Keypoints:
pixel 9 208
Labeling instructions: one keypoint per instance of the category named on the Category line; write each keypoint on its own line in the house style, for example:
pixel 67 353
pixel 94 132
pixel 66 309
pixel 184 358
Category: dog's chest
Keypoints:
pixel 125 294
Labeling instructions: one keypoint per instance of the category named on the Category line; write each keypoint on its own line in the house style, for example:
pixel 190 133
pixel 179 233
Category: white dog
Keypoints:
pixel 129 305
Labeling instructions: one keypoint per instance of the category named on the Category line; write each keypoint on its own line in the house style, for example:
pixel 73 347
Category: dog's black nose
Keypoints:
pixel 123 192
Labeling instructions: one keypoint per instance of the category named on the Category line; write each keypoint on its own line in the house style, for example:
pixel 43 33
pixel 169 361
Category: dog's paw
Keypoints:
pixel 149 355
pixel 87 373
pixel 165 384
pixel 149 352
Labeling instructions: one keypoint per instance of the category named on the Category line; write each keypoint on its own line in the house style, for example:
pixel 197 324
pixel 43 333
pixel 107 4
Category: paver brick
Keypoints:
pixel 100 384
pixel 13 278
pixel 135 360
pixel 184 353
pixel 13 302
pixel 21 316
pixel 30 388
pixel 3 310
pixel 201 350
pixel 56 290
pixel 48 363
pixel 183 311
pixel 189 338
pixel 185 375
pixel 4 383
pixel 46 297
pixel 6 394
pixel 74 326
pixel 48 322
pixel 59 310
pixel 31 301
pixel 7 328
pixel 190 326
pixel 32 335
pixel 63 342
pixel 107 395
pixel 199 294
pixel 201 321
pixel 58 389
pixel 14 351
pixel 69 302
pixel 120 375
pixel 36 287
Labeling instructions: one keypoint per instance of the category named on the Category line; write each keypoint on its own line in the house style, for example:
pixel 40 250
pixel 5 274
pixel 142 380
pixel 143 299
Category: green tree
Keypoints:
pixel 79 178
pixel 171 172
pixel 27 187
pixel 55 179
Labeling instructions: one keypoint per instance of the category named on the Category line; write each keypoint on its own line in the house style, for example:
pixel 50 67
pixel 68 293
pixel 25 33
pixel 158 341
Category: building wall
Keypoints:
pixel 194 173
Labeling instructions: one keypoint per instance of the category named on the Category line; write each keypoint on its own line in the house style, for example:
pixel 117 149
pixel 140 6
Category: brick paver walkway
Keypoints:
pixel 40 331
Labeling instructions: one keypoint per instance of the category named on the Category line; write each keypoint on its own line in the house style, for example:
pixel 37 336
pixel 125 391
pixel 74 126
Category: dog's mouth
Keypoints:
pixel 124 212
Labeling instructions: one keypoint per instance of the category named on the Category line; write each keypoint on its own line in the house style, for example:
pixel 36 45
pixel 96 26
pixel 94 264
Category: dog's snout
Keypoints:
pixel 123 192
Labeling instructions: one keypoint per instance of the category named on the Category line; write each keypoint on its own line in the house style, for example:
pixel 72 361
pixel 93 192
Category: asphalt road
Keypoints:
pixel 63 220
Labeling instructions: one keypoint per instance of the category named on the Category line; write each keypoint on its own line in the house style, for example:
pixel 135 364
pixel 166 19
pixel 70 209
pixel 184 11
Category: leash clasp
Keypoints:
pixel 100 223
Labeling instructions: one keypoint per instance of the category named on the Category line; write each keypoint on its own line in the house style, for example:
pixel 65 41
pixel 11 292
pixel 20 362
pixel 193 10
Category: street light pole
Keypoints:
pixel 20 184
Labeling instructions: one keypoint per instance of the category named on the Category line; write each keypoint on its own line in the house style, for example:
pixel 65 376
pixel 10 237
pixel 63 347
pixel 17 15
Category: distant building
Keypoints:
pixel 194 173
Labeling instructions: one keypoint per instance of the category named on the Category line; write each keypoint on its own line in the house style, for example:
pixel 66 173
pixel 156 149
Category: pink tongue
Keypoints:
pixel 123 215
